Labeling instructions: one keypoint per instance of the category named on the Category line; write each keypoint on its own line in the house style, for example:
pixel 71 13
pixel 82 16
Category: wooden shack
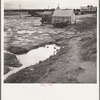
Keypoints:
pixel 64 15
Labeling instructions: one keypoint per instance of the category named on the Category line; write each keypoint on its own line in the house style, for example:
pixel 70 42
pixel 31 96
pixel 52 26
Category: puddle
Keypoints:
pixel 24 31
pixel 8 52
pixel 12 68
pixel 34 57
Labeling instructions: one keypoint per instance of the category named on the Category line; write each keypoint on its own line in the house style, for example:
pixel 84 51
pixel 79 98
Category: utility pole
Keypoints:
pixel 48 7
pixel 19 10
pixel 19 6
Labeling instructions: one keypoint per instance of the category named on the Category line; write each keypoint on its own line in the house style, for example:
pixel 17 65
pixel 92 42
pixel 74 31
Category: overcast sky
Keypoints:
pixel 43 4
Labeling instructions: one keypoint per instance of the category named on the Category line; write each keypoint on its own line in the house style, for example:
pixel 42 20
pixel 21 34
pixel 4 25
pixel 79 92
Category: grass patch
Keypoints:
pixel 11 60
pixel 88 46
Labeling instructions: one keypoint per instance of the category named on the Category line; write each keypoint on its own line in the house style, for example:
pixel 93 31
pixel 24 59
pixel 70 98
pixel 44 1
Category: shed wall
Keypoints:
pixel 56 18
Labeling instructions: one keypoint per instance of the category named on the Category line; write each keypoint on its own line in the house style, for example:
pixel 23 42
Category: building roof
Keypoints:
pixel 63 13
pixel 58 7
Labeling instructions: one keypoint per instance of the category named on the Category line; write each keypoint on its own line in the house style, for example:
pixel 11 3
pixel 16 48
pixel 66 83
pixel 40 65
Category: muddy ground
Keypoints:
pixel 74 63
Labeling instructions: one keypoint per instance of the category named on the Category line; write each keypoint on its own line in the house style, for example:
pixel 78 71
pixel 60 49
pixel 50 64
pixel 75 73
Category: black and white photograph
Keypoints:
pixel 50 41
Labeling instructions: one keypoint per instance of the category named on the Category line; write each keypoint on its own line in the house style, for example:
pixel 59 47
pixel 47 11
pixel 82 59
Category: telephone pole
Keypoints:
pixel 19 10
pixel 19 6
pixel 48 7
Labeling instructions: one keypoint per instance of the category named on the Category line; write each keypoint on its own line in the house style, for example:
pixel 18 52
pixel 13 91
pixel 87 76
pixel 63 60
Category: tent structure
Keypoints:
pixel 64 15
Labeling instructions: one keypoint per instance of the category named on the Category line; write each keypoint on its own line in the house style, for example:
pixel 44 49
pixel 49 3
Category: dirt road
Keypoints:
pixel 72 69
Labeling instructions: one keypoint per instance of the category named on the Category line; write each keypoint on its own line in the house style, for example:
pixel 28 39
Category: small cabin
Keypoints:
pixel 64 15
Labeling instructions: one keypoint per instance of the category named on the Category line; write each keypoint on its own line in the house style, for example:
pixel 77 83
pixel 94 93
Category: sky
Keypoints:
pixel 45 4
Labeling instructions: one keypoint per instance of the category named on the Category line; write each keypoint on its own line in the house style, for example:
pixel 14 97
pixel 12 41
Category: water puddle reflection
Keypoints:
pixel 34 57
pixel 40 54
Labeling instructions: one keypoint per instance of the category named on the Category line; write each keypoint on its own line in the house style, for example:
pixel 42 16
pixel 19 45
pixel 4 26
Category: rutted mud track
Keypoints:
pixel 72 70
pixel 69 69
